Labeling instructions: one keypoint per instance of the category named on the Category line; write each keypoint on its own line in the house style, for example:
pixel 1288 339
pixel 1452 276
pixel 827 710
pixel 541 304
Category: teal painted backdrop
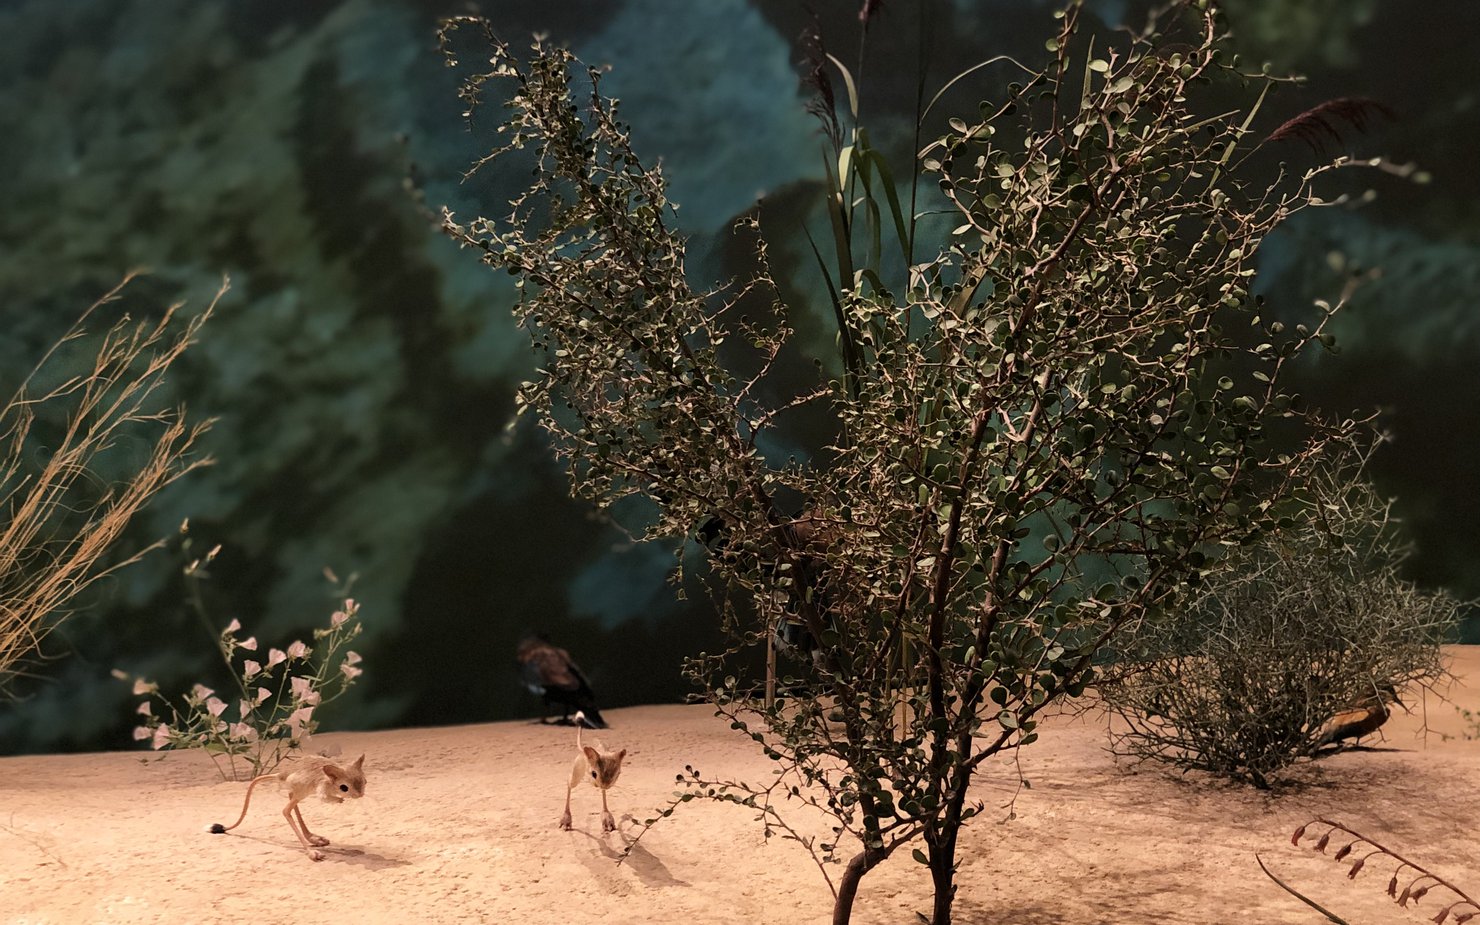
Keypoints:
pixel 362 369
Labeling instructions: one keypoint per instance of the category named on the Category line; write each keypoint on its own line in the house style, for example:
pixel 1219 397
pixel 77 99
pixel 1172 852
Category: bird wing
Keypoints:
pixel 547 668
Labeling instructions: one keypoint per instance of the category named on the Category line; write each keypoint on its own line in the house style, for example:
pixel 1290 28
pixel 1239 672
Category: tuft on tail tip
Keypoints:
pixel 217 829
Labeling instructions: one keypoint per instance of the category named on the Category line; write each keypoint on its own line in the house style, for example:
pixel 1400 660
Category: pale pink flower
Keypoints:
pixel 303 690
pixel 250 668
pixel 262 694
pixel 201 692
pixel 145 709
pixel 350 606
pixel 216 706
pixel 297 650
pixel 350 671
pixel 243 732
pixel 250 644
pixel 142 687
pixel 276 657
pixel 298 719
pixel 243 707
pixel 352 658
pixel 141 733
pixel 233 626
pixel 338 618
pixel 161 737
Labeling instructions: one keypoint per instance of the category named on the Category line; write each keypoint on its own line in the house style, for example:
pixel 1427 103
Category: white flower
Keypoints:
pixel 276 657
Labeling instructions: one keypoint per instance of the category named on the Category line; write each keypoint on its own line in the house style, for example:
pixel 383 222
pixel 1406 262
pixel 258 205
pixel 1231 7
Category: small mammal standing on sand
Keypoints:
pixel 310 775
pixel 601 768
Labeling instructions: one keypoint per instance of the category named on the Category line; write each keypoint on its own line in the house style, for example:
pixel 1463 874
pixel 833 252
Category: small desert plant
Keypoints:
pixel 1027 448
pixel 276 695
pixel 1409 882
pixel 1284 635
pixel 61 512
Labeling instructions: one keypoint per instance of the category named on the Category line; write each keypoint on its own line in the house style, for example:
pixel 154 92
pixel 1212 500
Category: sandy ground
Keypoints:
pixel 459 825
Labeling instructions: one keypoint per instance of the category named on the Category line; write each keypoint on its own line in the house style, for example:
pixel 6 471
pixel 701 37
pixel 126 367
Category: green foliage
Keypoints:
pixel 276 698
pixel 1029 452
pixel 1285 635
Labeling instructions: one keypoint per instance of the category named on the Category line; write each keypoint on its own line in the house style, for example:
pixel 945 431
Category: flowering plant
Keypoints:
pixel 275 699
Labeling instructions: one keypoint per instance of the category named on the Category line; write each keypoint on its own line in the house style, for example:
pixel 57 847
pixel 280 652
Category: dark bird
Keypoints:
pixel 1361 720
pixel 547 670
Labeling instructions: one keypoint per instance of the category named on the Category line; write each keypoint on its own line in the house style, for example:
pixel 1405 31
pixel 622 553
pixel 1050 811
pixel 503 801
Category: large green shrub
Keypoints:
pixel 1028 451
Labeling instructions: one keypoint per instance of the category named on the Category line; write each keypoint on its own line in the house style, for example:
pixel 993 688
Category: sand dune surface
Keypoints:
pixel 458 825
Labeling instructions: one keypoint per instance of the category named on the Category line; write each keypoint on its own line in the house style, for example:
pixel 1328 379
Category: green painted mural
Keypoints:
pixel 362 369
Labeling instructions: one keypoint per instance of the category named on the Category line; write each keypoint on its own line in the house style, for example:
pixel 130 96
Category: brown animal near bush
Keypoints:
pixel 1362 720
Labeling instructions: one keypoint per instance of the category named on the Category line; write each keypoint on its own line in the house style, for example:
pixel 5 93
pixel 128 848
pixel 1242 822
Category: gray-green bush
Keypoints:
pixel 1284 635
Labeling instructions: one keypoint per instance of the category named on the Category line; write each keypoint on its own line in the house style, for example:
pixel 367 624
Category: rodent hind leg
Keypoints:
pixel 314 854
pixel 316 840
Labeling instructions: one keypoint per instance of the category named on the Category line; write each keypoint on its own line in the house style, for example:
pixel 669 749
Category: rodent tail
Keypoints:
pixel 219 829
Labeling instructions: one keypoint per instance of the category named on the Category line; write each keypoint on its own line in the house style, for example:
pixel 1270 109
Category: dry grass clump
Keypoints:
pixel 69 483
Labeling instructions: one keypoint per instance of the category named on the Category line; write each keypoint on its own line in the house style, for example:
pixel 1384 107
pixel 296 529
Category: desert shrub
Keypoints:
pixel 1285 634
pixel 1026 451
pixel 69 483
pixel 277 693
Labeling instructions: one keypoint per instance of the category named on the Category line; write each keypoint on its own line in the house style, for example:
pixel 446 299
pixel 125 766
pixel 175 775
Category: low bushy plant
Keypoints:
pixel 1315 619
pixel 275 701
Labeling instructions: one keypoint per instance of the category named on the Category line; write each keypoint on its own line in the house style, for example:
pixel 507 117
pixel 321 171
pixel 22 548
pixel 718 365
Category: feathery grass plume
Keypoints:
pixel 816 76
pixel 1321 125
pixel 62 513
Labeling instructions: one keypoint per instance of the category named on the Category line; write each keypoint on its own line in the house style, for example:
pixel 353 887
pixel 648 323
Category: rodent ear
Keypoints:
pixel 330 771
pixel 620 755
pixel 359 763
pixel 591 754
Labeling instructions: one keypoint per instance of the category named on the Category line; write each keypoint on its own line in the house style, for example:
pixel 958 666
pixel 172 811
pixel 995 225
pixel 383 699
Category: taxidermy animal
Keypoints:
pixel 598 766
pixel 549 671
pixel 309 776
pixel 1361 720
